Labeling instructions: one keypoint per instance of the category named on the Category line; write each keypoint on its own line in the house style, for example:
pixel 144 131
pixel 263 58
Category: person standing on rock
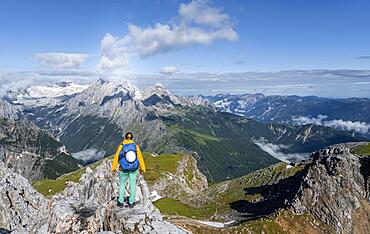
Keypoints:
pixel 129 158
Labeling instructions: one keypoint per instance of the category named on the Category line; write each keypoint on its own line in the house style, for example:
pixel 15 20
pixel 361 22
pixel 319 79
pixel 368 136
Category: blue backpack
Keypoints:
pixel 123 162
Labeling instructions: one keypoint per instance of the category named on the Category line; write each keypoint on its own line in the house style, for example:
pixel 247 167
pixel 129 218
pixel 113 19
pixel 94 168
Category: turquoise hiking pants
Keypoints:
pixel 132 183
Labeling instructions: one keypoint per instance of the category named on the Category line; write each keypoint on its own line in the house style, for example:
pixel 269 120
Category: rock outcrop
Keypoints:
pixel 8 111
pixel 183 185
pixel 85 207
pixel 21 206
pixel 335 189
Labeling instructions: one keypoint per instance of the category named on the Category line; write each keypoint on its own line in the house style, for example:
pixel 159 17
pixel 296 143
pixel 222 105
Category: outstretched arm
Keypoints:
pixel 140 158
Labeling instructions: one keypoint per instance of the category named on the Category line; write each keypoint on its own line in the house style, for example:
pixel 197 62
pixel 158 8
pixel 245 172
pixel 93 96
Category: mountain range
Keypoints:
pixel 95 118
pixel 209 170
pixel 352 114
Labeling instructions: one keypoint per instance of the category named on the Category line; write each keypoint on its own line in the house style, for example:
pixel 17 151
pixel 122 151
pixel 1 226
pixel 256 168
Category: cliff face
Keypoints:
pixel 85 207
pixel 33 152
pixel 335 190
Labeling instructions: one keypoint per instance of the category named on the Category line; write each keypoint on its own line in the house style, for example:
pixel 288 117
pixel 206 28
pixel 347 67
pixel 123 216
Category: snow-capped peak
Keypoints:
pixel 158 89
pixel 56 90
pixel 42 95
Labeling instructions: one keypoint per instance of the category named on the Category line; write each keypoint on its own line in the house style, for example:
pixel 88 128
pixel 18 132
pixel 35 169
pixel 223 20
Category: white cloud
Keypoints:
pixel 202 13
pixel 61 60
pixel 114 54
pixel 302 120
pixel 168 70
pixel 357 126
pixel 275 151
pixel 190 29
pixel 162 38
pixel 89 155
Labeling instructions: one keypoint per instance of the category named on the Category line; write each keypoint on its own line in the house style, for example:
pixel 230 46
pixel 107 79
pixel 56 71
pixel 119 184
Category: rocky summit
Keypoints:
pixel 335 190
pixel 85 207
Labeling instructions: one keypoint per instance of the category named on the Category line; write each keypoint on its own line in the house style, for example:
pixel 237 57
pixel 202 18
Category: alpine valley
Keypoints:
pixel 216 164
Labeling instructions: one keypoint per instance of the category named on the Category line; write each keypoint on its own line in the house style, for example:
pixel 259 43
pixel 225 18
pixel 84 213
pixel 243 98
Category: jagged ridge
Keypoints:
pixel 89 205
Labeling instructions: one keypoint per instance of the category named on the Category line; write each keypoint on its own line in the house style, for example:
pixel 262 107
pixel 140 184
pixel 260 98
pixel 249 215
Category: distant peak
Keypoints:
pixel 159 85
pixel 64 84
pixel 100 81
pixel 159 88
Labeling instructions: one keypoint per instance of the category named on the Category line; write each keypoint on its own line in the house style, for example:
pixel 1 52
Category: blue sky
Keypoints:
pixel 236 36
pixel 273 35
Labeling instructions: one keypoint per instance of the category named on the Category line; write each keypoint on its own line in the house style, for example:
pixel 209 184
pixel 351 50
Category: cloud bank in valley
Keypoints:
pixel 276 151
pixel 89 155
pixel 357 126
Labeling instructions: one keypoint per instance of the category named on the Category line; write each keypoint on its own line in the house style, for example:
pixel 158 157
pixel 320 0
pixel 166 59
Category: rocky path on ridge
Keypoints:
pixel 85 207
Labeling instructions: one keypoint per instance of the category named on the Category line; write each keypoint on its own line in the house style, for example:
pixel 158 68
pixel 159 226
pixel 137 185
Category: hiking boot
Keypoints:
pixel 119 204
pixel 131 205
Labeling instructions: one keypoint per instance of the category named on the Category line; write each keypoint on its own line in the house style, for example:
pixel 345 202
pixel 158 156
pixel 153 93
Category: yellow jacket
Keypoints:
pixel 138 152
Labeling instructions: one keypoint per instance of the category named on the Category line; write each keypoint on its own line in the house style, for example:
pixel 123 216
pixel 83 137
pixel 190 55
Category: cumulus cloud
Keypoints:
pixel 202 13
pixel 168 70
pixel 276 151
pixel 357 126
pixel 198 22
pixel 114 54
pixel 61 60
pixel 89 155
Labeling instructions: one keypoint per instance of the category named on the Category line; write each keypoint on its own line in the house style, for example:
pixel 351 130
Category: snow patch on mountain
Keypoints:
pixel 45 95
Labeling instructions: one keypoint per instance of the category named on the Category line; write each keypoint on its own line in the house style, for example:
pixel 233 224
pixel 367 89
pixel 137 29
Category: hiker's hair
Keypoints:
pixel 129 136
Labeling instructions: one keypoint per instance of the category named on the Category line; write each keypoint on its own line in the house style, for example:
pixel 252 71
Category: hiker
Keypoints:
pixel 129 158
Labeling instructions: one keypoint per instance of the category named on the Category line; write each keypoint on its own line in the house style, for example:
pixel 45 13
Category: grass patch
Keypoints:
pixel 224 193
pixel 155 166
pixel 171 206
pixel 258 178
pixel 263 226
pixel 188 170
pixel 201 138
pixel 362 150
pixel 49 187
